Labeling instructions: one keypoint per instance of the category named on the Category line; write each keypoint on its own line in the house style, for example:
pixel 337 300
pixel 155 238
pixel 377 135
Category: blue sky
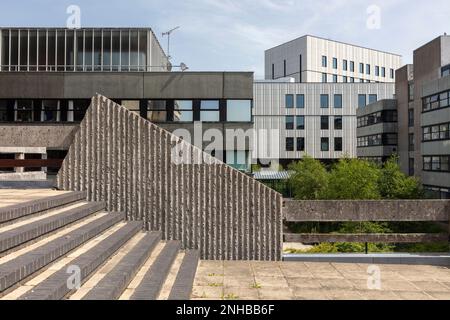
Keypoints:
pixel 232 35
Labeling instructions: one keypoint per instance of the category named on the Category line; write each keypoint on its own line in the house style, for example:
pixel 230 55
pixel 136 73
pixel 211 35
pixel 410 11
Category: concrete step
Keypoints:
pixel 153 281
pixel 56 286
pixel 19 268
pixel 24 233
pixel 20 210
pixel 182 287
pixel 113 284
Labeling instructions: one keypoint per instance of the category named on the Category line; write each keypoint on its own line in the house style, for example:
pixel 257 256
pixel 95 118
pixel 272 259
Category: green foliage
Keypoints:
pixel 345 248
pixel 353 179
pixel 393 184
pixel 256 168
pixel 309 179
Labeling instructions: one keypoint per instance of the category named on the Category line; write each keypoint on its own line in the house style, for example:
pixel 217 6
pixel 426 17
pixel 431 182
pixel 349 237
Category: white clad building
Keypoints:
pixel 314 59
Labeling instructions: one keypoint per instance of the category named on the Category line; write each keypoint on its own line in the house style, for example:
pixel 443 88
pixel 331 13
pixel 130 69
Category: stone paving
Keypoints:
pixel 317 281
pixel 9 197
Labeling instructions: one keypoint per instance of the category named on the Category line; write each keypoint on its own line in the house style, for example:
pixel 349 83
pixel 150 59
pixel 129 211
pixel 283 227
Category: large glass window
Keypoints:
pixel 97 50
pixel 50 112
pixel 335 63
pixel 301 144
pixel 345 65
pixel 24 111
pixel 134 50
pixel 14 50
pixel 88 52
pixel 377 71
pixel 70 53
pixel 61 54
pixel 289 144
pixel 238 159
pixel 368 69
pixel 115 50
pixel 324 123
pixel 157 110
pixel 324 101
pixel 3 110
pixel 5 50
pixel 436 163
pixel 107 50
pixel 361 68
pixel 79 109
pixel 338 101
pixel 324 62
pixel 352 66
pixel 335 78
pixel 338 144
pixel 289 101
pixel 324 144
pixel 183 111
pixel 324 78
pixel 33 50
pixel 300 122
pixel 125 57
pixel 143 50
pixel 80 50
pixel 362 101
pixel 209 111
pixel 23 50
pixel 437 101
pixel 289 122
pixel 300 101
pixel 239 110
pixel 338 123
pixel 436 132
pixel 373 98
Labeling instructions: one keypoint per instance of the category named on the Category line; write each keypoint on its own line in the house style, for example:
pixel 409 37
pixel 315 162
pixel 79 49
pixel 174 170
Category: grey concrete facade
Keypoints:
pixel 128 162
pixel 379 118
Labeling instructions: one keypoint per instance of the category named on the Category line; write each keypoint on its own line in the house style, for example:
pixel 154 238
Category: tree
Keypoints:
pixel 394 184
pixel 309 179
pixel 353 179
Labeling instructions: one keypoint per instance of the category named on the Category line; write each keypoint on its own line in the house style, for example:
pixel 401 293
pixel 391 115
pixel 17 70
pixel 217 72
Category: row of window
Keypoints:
pixel 364 99
pixel 384 139
pixel 367 68
pixel 445 71
pixel 74 50
pixel 153 110
pixel 437 192
pixel 298 122
pixel 436 132
pixel 436 163
pixel 324 144
pixel 437 101
pixel 377 117
pixel 345 79
pixel 298 101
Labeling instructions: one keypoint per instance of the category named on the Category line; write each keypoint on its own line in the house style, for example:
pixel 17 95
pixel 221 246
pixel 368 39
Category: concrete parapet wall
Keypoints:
pixel 126 161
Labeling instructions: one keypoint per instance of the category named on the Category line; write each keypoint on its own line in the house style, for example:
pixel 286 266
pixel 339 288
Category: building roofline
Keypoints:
pixel 431 41
pixel 341 42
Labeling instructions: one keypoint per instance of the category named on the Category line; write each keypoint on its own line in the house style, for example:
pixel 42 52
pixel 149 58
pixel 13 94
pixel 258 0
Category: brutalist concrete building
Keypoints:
pixel 48 76
pixel 423 92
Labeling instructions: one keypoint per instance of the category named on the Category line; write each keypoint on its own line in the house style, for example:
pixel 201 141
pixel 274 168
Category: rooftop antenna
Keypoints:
pixel 168 40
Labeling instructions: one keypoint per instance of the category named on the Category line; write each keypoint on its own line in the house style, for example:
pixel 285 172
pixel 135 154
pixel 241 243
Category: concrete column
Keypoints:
pixel 19 156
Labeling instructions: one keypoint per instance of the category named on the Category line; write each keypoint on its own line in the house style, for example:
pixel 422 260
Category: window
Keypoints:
pixel 238 159
pixel 300 122
pixel 335 78
pixel 107 50
pixel 345 65
pixel 134 50
pixel 436 163
pixel 373 98
pixel 300 144
pixel 368 69
pixel 338 123
pixel 324 123
pixel 377 117
pixel 209 111
pixel 411 166
pixel 411 92
pixel 50 112
pixel 300 101
pixel 237 110
pixel 437 101
pixel 284 69
pixel 385 139
pixel 362 101
pixel 324 78
pixel 436 132
pixel 352 80
pixel 79 109
pixel 392 73
pixel 3 110
pixel 445 71
pixel 335 63
pixel 289 122
pixel 324 144
pixel 352 66
pixel 324 103
pixel 411 118
pixel 338 144
pixel 289 144
pixel 24 111
pixel 289 101
pixel 411 143
pixel 383 72
pixel 338 101
pixel 273 71
pixel 324 61
pixel 377 71
pixel 125 56
pixel 344 79
pixel 183 111
pixel 157 111
pixel 361 68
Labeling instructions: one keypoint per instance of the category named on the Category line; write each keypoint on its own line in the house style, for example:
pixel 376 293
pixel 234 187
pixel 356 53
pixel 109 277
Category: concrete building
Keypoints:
pixel 314 119
pixel 377 130
pixel 314 59
pixel 422 91
pixel 48 77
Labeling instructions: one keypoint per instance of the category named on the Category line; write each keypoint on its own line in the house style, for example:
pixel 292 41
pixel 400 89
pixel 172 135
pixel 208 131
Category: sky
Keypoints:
pixel 232 35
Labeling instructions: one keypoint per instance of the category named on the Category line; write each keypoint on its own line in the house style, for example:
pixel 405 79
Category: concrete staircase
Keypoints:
pixel 63 247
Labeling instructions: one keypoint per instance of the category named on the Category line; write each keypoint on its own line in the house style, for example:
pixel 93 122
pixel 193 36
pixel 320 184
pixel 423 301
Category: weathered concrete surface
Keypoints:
pixel 372 238
pixel 23 176
pixel 126 161
pixel 382 210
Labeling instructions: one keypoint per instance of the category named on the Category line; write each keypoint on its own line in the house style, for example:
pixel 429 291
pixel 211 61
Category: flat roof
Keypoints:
pixel 345 43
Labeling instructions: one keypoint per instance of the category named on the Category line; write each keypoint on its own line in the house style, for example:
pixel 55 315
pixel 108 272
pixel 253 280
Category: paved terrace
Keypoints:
pixel 9 197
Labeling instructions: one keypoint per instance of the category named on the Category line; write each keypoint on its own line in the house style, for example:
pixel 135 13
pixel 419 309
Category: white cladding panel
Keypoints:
pixel 270 114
